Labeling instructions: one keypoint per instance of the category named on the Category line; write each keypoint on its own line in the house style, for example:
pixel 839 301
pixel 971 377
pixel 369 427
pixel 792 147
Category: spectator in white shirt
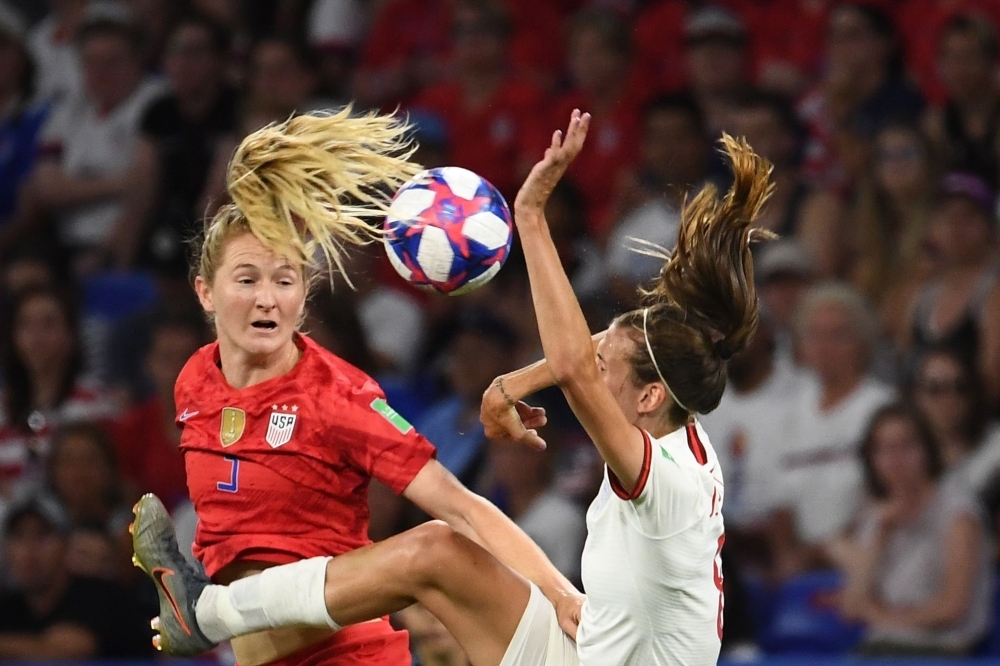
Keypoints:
pixel 749 431
pixel 820 481
pixel 54 51
pixel 88 145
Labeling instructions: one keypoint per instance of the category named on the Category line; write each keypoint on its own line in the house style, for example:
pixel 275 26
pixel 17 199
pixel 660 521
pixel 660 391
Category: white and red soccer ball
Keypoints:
pixel 448 230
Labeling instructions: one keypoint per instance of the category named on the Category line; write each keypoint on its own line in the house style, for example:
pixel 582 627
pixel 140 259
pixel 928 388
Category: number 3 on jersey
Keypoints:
pixel 233 484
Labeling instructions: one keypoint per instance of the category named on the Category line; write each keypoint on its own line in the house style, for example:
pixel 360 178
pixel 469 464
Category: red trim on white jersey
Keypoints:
pixel 694 443
pixel 640 483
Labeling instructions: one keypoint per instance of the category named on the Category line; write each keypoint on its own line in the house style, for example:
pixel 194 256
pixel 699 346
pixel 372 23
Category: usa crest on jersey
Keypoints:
pixel 281 426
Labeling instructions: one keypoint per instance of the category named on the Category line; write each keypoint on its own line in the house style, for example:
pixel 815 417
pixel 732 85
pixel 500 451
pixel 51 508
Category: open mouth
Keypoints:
pixel 265 325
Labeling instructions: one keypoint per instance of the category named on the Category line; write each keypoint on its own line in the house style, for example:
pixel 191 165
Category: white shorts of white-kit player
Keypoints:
pixel 538 640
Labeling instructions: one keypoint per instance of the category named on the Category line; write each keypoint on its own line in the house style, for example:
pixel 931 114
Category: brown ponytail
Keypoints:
pixel 703 305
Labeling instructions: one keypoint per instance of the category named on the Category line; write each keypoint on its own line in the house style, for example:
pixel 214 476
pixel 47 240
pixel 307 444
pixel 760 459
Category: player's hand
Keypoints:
pixel 543 177
pixel 568 610
pixel 517 422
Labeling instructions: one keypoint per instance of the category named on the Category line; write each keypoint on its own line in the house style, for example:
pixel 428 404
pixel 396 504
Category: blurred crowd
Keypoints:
pixel 857 434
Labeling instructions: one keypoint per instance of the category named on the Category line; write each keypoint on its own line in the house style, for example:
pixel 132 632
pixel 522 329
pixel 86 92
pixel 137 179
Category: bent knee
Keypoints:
pixel 431 548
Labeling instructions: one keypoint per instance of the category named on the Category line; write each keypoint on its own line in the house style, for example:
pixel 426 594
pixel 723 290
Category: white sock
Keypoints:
pixel 282 596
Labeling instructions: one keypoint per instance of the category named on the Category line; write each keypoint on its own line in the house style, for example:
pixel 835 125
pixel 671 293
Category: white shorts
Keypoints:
pixel 538 640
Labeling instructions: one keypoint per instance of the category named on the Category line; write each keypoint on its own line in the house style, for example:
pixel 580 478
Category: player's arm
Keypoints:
pixel 565 337
pixel 503 413
pixel 62 641
pixel 435 490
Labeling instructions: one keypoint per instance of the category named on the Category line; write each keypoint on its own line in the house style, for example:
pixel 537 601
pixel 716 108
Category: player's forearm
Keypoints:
pixel 561 324
pixel 519 384
pixel 508 543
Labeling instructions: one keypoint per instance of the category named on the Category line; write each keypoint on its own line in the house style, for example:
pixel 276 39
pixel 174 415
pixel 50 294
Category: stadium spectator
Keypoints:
pixel 404 52
pixel 51 614
pixel 489 114
pixel 863 87
pixel 20 120
pixel 658 31
pixel 717 58
pixel 335 31
pixel 430 642
pixel 920 563
pixel 749 430
pixel 948 393
pixel 673 162
pixel 519 481
pixel 784 274
pixel 813 215
pixel 965 128
pixel 922 23
pixel 281 82
pixel 599 61
pixel 83 476
pixel 891 212
pixel 24 267
pixel 93 553
pixel 44 383
pixel 481 350
pixel 146 435
pixel 179 134
pixel 89 145
pixel 53 48
pixel 959 306
pixel 819 488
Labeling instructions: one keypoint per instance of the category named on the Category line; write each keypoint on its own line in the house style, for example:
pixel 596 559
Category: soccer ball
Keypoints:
pixel 448 230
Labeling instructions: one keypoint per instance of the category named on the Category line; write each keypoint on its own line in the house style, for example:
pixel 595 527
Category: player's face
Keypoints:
pixel 257 298
pixel 613 354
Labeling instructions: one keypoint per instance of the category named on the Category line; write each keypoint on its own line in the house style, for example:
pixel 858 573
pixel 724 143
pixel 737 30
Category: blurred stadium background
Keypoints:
pixel 846 535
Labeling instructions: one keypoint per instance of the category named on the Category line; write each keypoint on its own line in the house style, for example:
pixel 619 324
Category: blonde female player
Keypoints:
pixel 651 564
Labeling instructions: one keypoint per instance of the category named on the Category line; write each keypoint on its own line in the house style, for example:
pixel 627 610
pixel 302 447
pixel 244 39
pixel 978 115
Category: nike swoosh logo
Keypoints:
pixel 159 573
pixel 185 415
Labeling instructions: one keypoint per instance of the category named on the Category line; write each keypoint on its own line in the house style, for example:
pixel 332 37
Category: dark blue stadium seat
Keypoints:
pixel 804 621
pixel 114 296
pixel 991 644
pixel 760 602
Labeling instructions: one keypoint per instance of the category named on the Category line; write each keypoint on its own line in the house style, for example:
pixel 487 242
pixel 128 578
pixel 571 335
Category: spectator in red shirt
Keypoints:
pixel 146 436
pixel 965 129
pixel 488 113
pixel 921 25
pixel 599 60
pixel 404 51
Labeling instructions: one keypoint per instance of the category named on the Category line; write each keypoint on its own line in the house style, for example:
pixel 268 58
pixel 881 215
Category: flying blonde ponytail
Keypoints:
pixel 312 181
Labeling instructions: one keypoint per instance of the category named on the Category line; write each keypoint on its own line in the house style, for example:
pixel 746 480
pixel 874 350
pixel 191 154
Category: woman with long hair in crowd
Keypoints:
pixel 651 564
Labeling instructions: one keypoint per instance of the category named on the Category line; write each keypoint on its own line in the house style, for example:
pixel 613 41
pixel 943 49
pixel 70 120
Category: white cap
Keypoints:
pixel 336 24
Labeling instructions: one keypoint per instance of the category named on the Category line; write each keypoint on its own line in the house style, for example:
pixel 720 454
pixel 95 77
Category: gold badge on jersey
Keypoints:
pixel 233 422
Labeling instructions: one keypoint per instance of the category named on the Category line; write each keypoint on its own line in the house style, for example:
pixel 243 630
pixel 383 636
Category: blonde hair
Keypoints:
pixel 703 308
pixel 313 182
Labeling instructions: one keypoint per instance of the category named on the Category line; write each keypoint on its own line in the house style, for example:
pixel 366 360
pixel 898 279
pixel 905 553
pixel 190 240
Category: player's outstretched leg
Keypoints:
pixel 178 583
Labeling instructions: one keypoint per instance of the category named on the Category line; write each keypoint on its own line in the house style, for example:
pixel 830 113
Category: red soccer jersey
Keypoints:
pixel 279 471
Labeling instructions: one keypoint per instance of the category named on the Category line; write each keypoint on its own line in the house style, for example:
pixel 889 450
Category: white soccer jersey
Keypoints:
pixel 651 565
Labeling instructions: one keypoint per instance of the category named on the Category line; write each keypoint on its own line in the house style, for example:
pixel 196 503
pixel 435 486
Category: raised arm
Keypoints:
pixel 566 340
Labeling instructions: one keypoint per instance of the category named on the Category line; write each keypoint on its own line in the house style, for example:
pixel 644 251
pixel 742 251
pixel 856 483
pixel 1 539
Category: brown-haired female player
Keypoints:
pixel 651 564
